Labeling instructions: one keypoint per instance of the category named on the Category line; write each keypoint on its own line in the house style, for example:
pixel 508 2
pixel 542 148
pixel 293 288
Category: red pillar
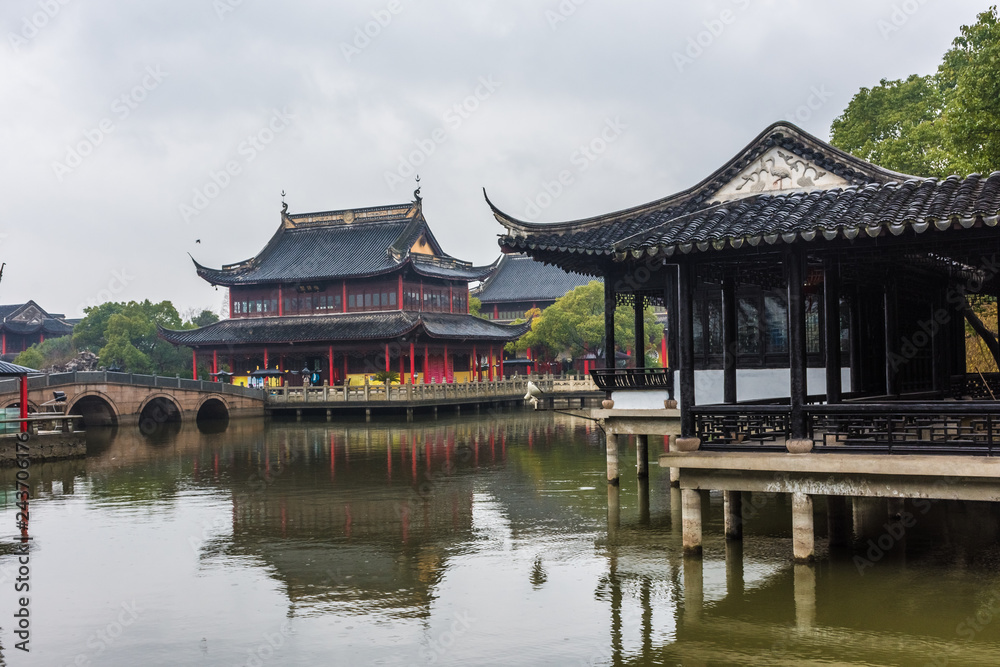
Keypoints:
pixel 331 364
pixel 215 362
pixel 421 295
pixel 496 312
pixel 446 363
pixel 23 384
pixel 265 358
pixel 400 304
pixel 413 365
pixel 425 363
pixel 42 339
pixel 281 302
pixel 194 363
pixel 344 296
pixel 387 361
pixel 527 353
pixel 230 304
pixel 663 352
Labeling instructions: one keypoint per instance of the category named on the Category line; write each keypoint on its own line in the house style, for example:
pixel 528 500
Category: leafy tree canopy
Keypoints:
pixel 48 353
pixel 575 324
pixel 936 125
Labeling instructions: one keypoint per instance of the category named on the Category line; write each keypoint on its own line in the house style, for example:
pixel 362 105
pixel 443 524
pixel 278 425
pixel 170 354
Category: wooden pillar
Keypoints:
pixel 640 331
pixel 331 366
pixel 501 363
pixel 400 304
pixel 891 337
pixel 343 296
pixel 215 362
pixel 445 363
pixel 194 363
pixel 831 337
pixel 609 322
pixel 939 353
pixel 685 316
pixel 729 340
pixel 451 302
pixel 265 358
pixel 413 365
pixel 490 372
pixel 475 365
pixel 796 346
pixel 388 361
pixel 281 301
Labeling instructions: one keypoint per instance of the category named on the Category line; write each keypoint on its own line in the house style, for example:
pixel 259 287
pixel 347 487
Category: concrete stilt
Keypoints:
pixel 805 596
pixel 614 509
pixel 368 414
pixel 612 446
pixel 735 586
pixel 644 501
pixel 691 517
pixel 675 477
pixel 409 414
pixel 435 412
pixel 676 516
pixel 733 502
pixel 298 415
pixel 458 410
pixel 329 414
pixel 838 521
pixel 642 455
pixel 803 531
pixel 694 590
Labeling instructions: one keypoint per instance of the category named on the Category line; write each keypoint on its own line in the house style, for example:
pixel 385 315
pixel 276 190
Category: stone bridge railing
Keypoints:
pixel 131 379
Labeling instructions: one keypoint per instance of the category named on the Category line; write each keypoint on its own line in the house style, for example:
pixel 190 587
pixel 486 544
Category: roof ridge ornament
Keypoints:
pixel 286 220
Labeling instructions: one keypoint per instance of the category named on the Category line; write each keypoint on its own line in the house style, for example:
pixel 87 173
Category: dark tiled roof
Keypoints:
pixel 704 214
pixel 352 243
pixel 345 327
pixel 520 278
pixel 29 318
pixel 7 368
pixel 866 212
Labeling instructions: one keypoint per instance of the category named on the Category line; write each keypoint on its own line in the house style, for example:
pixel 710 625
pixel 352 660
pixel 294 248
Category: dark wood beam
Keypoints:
pixel 729 339
pixel 831 314
pixel 796 344
pixel 685 315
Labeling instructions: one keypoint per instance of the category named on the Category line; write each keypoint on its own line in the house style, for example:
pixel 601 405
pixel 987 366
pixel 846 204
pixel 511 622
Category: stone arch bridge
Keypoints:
pixel 111 399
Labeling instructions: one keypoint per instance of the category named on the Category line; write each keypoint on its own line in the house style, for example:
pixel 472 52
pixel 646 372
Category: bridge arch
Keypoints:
pixel 14 402
pixel 156 411
pixel 96 409
pixel 213 414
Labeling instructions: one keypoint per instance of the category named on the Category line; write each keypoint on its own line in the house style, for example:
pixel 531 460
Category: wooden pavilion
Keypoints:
pixel 820 301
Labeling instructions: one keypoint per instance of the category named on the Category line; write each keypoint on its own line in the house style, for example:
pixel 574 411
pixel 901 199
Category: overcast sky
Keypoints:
pixel 132 129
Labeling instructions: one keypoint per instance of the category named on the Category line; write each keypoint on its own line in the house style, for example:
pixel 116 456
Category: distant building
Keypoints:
pixel 346 294
pixel 518 284
pixel 25 324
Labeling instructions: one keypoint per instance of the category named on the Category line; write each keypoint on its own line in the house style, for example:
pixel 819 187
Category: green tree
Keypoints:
pixel 476 307
pixel 125 335
pixel 574 324
pixel 48 353
pixel 935 125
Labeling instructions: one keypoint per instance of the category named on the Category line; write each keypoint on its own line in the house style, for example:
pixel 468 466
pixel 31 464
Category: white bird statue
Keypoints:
pixel 534 393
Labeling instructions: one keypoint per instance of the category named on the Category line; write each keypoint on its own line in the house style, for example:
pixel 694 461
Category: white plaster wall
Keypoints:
pixel 639 400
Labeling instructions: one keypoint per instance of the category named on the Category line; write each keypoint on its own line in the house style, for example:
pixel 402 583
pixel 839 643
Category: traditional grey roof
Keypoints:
pixel 351 243
pixel 343 327
pixel 28 318
pixel 519 278
pixel 785 186
pixel 7 368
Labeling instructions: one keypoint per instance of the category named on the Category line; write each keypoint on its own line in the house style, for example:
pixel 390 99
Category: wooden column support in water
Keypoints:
pixel 691 517
pixel 803 531
pixel 733 508
pixel 642 455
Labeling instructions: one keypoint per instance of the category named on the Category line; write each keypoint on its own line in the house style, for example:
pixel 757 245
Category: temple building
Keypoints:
pixel 339 296
pixel 818 299
pixel 25 324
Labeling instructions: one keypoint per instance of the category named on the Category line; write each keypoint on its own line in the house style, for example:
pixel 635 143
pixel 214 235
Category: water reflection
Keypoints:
pixel 474 541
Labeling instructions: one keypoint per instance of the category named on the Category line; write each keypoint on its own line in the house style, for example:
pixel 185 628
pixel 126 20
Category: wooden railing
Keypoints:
pixel 514 388
pixel 610 379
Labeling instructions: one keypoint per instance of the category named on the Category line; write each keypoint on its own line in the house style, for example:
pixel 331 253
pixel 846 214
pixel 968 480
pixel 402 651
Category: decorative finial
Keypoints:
pixel 284 206
pixel 416 193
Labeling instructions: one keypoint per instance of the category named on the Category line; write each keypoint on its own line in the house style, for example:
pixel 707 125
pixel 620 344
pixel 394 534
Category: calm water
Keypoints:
pixel 473 541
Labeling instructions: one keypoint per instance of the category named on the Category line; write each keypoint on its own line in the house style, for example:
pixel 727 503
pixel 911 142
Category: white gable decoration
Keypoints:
pixel 780 170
